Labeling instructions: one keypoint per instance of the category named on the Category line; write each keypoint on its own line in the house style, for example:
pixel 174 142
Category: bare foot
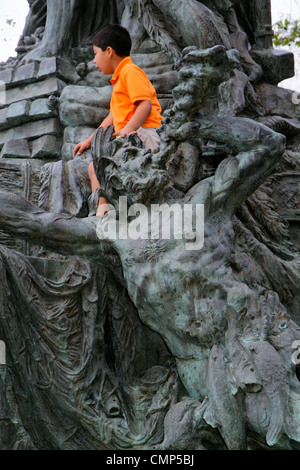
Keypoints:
pixel 103 209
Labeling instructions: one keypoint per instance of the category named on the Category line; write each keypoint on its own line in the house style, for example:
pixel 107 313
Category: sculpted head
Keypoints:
pixel 124 167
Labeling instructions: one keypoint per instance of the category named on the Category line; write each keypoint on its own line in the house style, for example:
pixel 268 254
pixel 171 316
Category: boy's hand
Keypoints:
pixel 123 132
pixel 85 144
pixel 143 109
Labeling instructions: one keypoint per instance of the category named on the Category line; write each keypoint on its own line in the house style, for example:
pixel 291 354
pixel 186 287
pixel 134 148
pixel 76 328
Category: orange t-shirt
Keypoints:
pixel 131 84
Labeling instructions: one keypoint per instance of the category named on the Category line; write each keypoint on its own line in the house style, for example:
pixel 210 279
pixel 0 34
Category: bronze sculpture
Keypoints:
pixel 220 324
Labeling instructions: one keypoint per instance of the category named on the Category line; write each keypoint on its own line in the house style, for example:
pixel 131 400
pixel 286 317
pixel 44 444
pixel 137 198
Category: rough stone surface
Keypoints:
pixel 80 105
pixel 16 148
pixel 35 90
pixel 25 73
pixel 47 147
pixel 39 109
pixel 98 97
pixel 77 134
pixel 55 66
pixel 67 151
pixel 6 76
pixel 17 112
pixel 32 130
pixel 3 121
pixel 71 114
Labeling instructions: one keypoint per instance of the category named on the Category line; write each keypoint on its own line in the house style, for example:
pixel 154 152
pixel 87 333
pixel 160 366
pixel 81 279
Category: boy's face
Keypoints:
pixel 103 60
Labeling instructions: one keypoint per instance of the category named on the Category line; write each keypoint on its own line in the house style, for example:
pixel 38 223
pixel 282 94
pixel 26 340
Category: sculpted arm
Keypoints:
pixel 61 233
pixel 255 151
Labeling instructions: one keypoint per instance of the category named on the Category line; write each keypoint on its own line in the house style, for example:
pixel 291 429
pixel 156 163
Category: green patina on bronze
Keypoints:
pixel 115 343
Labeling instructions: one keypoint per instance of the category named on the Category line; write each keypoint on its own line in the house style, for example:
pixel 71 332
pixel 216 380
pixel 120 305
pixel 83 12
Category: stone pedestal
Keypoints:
pixel 25 114
pixel 277 64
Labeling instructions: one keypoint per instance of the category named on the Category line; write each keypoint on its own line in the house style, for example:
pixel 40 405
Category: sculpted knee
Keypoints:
pixel 281 142
pixel 274 143
pixel 278 143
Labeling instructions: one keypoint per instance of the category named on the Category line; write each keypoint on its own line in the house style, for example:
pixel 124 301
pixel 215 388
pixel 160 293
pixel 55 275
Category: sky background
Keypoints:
pixel 13 14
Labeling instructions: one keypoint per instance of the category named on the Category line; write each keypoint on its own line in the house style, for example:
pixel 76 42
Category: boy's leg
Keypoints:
pixel 150 138
pixel 103 207
pixel 94 182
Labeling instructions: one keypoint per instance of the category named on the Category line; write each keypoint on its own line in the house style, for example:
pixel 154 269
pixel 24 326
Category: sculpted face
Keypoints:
pixel 126 168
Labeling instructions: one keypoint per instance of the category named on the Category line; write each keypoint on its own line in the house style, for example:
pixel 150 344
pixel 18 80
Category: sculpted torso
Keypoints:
pixel 183 294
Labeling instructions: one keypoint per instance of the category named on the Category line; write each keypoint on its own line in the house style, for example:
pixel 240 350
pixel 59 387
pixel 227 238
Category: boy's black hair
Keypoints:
pixel 115 36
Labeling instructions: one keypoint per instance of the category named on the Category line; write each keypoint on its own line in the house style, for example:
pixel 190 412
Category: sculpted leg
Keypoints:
pixel 185 15
pixel 62 18
pixel 193 374
pixel 103 207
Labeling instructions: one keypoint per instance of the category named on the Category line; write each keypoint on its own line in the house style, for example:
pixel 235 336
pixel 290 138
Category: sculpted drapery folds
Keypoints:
pixel 170 23
pixel 141 343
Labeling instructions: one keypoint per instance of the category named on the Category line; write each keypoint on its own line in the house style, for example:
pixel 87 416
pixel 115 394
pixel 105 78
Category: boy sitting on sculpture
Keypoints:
pixel 134 107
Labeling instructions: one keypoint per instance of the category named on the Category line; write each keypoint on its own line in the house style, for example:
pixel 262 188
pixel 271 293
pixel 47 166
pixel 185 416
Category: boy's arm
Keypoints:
pixel 141 113
pixel 86 144
pixel 108 121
